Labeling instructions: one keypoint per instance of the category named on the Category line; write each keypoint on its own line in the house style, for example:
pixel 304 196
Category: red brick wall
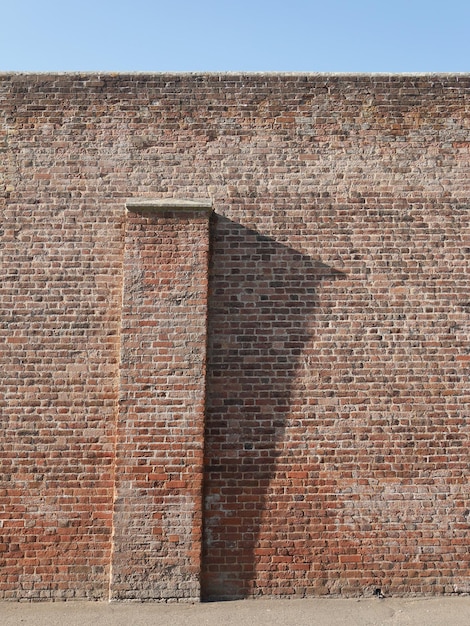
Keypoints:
pixel 58 395
pixel 336 422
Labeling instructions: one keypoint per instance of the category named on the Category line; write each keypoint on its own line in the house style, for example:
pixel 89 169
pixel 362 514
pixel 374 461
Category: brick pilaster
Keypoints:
pixel 160 431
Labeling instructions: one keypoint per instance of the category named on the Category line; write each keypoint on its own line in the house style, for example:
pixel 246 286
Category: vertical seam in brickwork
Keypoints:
pixel 204 414
pixel 206 398
pixel 116 412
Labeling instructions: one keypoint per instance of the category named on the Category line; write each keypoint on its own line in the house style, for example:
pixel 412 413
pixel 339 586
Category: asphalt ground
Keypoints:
pixel 410 611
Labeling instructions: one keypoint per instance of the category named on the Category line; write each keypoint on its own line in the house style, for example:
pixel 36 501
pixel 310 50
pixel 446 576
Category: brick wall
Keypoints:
pixel 335 382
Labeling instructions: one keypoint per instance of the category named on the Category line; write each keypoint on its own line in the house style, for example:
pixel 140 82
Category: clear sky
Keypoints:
pixel 238 35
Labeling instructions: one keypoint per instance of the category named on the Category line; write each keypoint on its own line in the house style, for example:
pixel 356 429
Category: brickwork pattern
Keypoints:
pixel 337 420
pixel 59 326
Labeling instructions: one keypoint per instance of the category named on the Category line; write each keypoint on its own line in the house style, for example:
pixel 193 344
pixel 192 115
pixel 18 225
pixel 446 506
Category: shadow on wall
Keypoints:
pixel 262 298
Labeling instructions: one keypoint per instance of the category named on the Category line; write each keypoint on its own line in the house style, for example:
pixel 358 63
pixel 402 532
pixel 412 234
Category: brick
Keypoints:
pixel 320 365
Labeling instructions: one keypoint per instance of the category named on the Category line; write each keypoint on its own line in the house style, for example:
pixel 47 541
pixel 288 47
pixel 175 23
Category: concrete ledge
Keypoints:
pixel 169 204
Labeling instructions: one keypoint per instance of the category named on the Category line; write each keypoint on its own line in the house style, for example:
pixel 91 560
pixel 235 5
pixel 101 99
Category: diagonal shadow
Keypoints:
pixel 262 298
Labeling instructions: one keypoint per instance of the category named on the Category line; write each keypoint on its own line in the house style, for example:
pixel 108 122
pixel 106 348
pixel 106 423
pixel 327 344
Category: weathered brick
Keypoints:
pixel 336 393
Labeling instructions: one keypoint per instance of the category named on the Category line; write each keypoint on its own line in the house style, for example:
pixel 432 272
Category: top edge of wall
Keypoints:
pixel 241 73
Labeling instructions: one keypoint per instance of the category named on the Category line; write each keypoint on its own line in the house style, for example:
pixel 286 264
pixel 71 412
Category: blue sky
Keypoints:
pixel 239 35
